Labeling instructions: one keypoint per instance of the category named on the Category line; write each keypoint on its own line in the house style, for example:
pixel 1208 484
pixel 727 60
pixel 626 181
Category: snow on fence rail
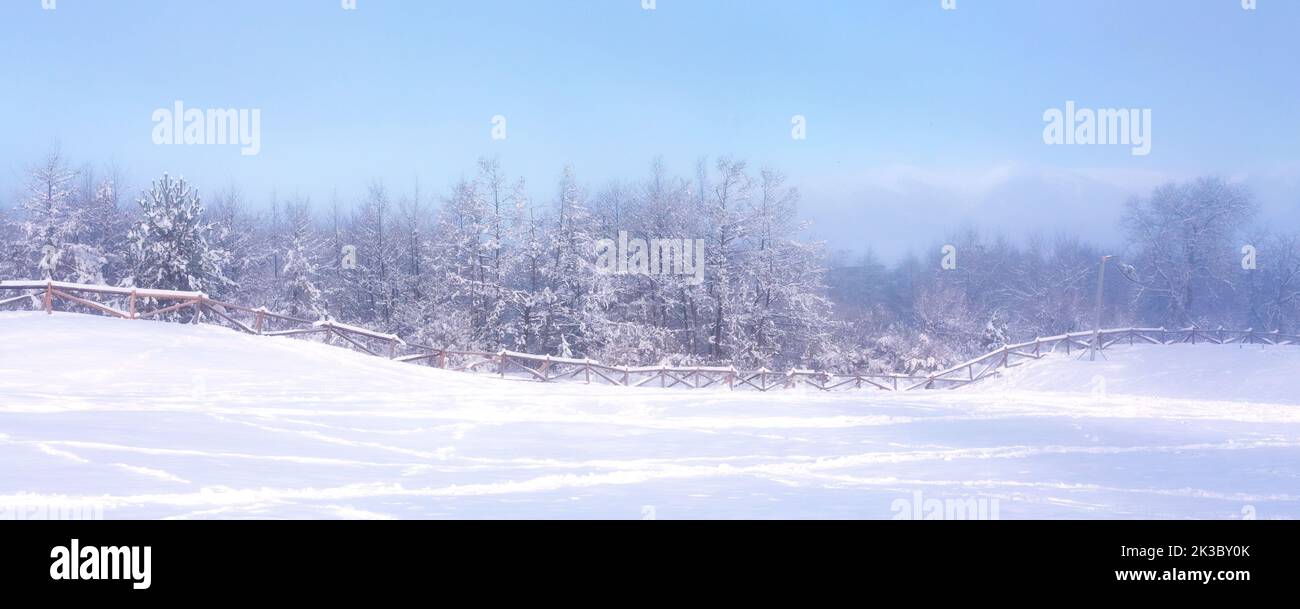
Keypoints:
pixel 545 368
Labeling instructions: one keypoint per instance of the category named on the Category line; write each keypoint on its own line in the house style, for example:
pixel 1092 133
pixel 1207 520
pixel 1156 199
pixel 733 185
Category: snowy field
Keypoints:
pixel 155 420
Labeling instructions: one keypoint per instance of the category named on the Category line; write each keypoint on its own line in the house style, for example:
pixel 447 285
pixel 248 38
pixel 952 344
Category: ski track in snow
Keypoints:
pixel 155 420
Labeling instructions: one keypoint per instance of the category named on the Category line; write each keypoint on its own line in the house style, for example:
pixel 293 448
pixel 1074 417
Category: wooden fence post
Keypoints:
pixel 132 304
pixel 49 299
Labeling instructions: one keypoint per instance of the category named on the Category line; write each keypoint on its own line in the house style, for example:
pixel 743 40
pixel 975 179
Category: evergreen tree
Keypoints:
pixel 301 270
pixel 171 245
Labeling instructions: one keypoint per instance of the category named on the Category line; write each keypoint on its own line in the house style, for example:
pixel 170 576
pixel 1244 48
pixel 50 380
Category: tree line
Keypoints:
pixel 485 266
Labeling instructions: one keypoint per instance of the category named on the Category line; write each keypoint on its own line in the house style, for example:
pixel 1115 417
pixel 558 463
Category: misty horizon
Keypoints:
pixel 898 149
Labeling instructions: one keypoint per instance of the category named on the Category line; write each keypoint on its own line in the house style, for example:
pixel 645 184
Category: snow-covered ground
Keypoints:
pixel 154 420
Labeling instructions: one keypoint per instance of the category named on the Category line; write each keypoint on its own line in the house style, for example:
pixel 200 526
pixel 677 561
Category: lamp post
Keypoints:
pixel 1096 328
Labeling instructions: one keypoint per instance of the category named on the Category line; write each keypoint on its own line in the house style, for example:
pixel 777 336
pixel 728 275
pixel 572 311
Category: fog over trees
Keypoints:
pixel 485 265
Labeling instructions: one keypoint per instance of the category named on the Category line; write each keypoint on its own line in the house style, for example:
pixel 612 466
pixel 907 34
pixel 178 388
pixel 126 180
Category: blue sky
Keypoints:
pixel 919 119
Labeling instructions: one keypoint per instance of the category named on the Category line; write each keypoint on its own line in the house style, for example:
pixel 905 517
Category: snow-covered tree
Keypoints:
pixel 301 272
pixel 1185 237
pixel 488 268
pixel 580 291
pixel 527 265
pixel 1271 291
pixel 726 208
pixel 53 223
pixel 416 303
pixel 788 317
pixel 171 245
pixel 378 276
pixel 240 234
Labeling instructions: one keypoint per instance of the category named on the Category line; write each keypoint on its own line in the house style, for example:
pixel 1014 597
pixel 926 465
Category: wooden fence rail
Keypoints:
pixel 135 303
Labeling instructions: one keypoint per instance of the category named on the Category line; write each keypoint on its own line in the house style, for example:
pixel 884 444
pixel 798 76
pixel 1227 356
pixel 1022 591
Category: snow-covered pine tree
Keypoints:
pixel 301 272
pixel 171 244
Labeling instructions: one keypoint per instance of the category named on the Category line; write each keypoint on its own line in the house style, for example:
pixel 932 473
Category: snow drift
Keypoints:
pixel 153 420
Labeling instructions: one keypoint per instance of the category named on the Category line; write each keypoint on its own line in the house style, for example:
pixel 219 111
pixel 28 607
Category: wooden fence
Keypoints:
pixel 132 303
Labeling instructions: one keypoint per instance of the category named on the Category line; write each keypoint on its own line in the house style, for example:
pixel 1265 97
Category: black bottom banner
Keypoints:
pixel 136 560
